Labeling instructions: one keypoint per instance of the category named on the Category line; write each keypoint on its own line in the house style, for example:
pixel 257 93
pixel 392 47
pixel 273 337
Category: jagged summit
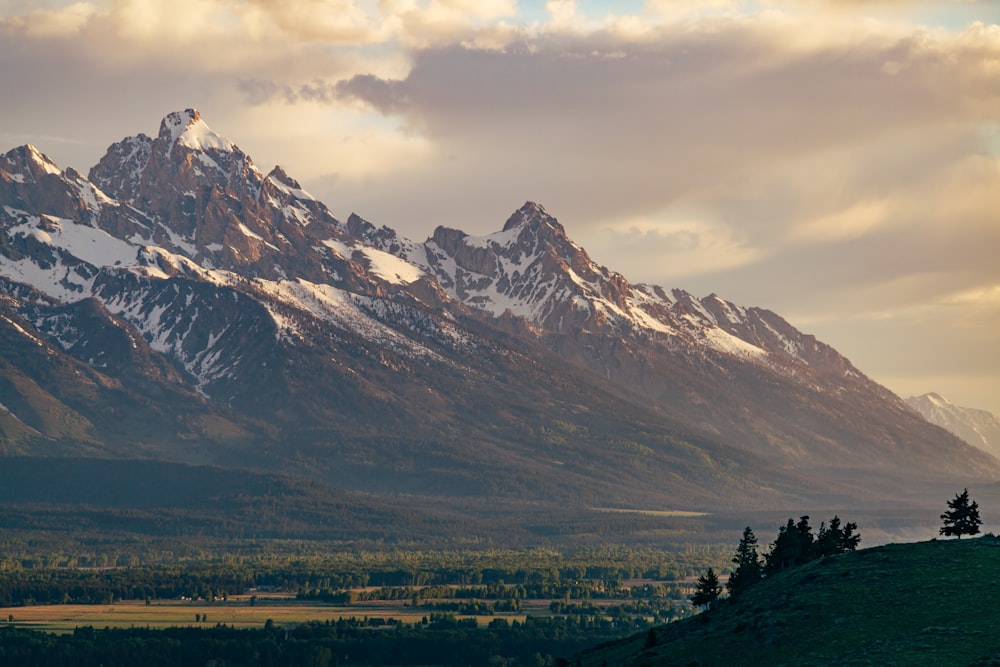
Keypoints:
pixel 140 168
pixel 27 162
pixel 203 198
pixel 535 216
pixel 281 176
pixel 175 123
pixel 188 129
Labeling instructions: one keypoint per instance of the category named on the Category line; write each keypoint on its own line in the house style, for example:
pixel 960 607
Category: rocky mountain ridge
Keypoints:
pixel 178 285
pixel 979 428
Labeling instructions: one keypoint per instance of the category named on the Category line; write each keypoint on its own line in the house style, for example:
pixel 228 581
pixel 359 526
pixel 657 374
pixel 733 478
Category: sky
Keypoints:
pixel 835 161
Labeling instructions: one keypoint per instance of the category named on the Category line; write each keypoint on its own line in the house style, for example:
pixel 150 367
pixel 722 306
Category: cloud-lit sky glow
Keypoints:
pixel 836 161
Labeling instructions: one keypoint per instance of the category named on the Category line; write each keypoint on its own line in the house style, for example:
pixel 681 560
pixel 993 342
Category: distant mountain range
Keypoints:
pixel 979 428
pixel 179 304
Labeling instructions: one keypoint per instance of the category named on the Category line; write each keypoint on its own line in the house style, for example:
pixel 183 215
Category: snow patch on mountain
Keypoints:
pixel 186 128
pixel 167 323
pixel 386 266
pixel 293 190
pixel 159 263
pixel 723 341
pixel 90 244
pixel 188 245
pixel 43 162
pixel 390 268
pixel 338 307
pixel 92 196
pixel 72 252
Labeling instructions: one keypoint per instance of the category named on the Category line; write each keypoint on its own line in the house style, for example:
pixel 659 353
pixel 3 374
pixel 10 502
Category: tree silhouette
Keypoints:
pixel 749 569
pixel 792 546
pixel 962 518
pixel 836 539
pixel 708 590
pixel 796 543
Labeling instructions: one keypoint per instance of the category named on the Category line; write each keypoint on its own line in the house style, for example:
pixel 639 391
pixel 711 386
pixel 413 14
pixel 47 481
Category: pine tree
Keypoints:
pixel 834 539
pixel 749 569
pixel 848 540
pixel 962 518
pixel 708 590
pixel 806 539
pixel 792 546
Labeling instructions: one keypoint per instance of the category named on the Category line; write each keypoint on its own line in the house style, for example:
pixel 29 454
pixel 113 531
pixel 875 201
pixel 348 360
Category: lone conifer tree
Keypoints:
pixel 749 569
pixel 962 518
pixel 708 590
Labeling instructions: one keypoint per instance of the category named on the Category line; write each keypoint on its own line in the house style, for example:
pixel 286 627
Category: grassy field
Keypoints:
pixel 236 612
pixel 929 603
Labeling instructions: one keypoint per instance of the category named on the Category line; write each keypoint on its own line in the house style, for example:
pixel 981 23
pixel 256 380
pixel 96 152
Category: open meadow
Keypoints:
pixel 234 612
pixel 243 611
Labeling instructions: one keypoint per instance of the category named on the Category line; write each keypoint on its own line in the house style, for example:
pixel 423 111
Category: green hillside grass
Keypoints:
pixel 928 603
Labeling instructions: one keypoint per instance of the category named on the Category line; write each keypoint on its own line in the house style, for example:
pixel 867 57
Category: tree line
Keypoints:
pixel 442 640
pixel 796 544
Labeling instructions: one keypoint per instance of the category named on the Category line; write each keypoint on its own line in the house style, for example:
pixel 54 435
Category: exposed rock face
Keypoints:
pixel 532 269
pixel 178 288
pixel 204 198
pixel 30 181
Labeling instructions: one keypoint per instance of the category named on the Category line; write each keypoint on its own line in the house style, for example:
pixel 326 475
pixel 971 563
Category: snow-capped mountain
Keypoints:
pixel 979 428
pixel 179 286
pixel 532 270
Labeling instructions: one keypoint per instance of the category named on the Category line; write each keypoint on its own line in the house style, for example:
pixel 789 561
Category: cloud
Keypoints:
pixel 664 251
pixel 336 21
pixel 49 23
pixel 845 180
pixel 688 116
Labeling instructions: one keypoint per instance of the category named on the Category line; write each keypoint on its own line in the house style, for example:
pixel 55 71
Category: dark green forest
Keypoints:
pixel 590 602
pixel 443 640
pixel 493 574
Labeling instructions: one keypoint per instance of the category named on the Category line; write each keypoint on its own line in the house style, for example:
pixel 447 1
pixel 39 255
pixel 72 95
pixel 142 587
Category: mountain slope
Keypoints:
pixel 904 604
pixel 738 374
pixel 178 303
pixel 979 428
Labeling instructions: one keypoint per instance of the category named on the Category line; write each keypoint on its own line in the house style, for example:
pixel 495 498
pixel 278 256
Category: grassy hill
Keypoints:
pixel 928 603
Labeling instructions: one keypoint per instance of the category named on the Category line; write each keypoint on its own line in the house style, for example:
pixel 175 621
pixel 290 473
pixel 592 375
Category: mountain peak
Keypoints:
pixel 282 177
pixel 175 123
pixel 533 216
pixel 41 159
pixel 979 428
pixel 30 159
pixel 933 398
pixel 188 129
